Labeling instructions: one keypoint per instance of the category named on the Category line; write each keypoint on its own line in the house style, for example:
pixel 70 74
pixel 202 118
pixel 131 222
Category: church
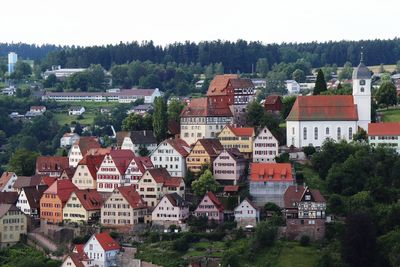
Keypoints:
pixel 313 119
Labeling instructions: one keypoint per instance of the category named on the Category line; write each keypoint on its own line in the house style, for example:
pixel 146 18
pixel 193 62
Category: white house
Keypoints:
pixel 292 87
pixel 313 119
pixel 171 154
pixel 68 139
pixel 76 111
pixel 246 213
pixel 37 109
pixel 29 200
pixel 80 147
pixel 137 140
pixel 7 181
pixel 172 209
pixel 136 169
pixel 265 146
pixel 102 250
pixel 384 134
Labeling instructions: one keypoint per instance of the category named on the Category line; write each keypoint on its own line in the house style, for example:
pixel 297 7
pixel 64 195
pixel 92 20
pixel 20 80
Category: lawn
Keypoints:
pixel 311 178
pixel 294 255
pixel 391 115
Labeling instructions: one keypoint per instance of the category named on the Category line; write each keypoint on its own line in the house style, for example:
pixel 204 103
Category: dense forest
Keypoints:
pixel 239 56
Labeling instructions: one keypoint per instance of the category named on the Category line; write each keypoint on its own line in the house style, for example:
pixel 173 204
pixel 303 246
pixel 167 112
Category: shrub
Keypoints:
pixel 304 240
pixel 181 244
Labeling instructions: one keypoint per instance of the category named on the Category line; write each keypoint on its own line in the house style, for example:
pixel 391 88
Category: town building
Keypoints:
pixel 68 139
pixel 51 165
pixel 200 119
pixel 265 146
pixel 102 250
pixel 292 87
pixel 305 212
pixel 7 181
pixel 240 138
pixel 80 148
pixel 29 200
pixel 123 208
pixel 384 134
pixel 210 207
pixel 12 61
pixel 8 197
pixel 61 74
pixel 54 199
pixel 77 258
pixel 157 182
pixel 171 154
pixel 85 175
pixel 38 109
pixel 172 209
pixel 13 224
pixel 76 111
pixel 203 153
pixel 141 110
pixel 112 170
pixel 136 169
pixel 231 91
pixel 313 119
pixel 140 142
pixel 229 167
pixel 246 213
pixel 273 104
pixel 269 181
pixel 83 206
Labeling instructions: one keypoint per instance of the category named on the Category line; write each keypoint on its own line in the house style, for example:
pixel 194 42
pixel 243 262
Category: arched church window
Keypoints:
pixel 327 130
pixel 339 133
pixel 316 133
pixel 305 133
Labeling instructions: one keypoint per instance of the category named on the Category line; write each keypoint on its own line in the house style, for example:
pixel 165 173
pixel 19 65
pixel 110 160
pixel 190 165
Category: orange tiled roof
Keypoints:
pixel 200 107
pixel 241 131
pixel 62 188
pixel 132 196
pixel 271 172
pixel 106 242
pixel 384 129
pixel 324 108
pixel 51 163
pixel 86 143
pixel 220 83
pixel 90 199
pixel 5 177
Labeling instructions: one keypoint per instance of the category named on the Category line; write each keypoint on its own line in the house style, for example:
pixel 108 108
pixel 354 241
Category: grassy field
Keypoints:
pixel 375 69
pixel 391 115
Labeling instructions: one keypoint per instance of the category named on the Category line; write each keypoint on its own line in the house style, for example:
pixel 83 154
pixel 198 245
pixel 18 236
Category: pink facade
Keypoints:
pixel 211 208
pixel 229 166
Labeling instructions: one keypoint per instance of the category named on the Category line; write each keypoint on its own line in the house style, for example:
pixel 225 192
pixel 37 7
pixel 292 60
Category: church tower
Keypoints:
pixel 362 93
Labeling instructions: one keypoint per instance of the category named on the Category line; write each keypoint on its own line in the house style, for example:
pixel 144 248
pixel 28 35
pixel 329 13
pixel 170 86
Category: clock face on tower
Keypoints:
pixel 362 82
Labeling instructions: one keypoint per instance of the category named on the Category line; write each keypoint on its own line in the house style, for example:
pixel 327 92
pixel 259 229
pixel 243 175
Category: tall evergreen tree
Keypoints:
pixel 160 119
pixel 320 83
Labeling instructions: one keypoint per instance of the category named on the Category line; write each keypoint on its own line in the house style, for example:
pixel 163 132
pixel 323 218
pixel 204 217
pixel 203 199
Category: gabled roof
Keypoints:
pixel 235 154
pixel 51 163
pixel 143 137
pixel 159 174
pixel 25 181
pixel 200 107
pixel 132 196
pixel 384 129
pixel 99 151
pixel 69 172
pixel 90 199
pixel 4 208
pixel 92 163
pixel 215 201
pixel 176 200
pixel 122 158
pixel 5 177
pixel 294 194
pixel 33 195
pixel 143 163
pixel 248 201
pixel 87 142
pixel 324 108
pixel 121 136
pixel 61 188
pixel 212 146
pixel 241 131
pixel 179 145
pixel 220 82
pixel 173 181
pixel 272 99
pixel 8 197
pixel 271 172
pixel 106 242
pixel 76 259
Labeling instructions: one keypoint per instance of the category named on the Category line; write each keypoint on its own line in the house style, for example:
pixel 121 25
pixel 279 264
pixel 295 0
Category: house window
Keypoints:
pixel 316 133
pixel 350 133
pixel 293 130
pixel 327 130
pixel 305 133
pixel 339 133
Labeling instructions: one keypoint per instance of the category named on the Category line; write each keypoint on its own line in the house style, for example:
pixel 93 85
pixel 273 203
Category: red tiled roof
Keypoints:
pixel 122 158
pixel 271 172
pixel 132 196
pixel 212 146
pixel 384 129
pixel 176 200
pixel 77 259
pixel 98 151
pixel 8 197
pixel 87 142
pixel 93 163
pixel 215 201
pixel 231 188
pixel 159 174
pixel 241 131
pixel 173 182
pixel 324 108
pixel 174 127
pixel 51 163
pixel 180 146
pixel 220 82
pixel 69 172
pixel 106 242
pixel 5 177
pixel 61 188
pixel 294 194
pixel 90 199
pixel 47 180
pixel 199 107
pixel 145 162
pixel 271 99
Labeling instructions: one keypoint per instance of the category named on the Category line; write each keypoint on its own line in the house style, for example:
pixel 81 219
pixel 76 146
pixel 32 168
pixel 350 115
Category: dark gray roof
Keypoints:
pixel 143 137
pixel 361 72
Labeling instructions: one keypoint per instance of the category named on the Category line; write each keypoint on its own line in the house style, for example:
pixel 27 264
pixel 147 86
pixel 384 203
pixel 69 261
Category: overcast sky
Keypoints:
pixel 97 22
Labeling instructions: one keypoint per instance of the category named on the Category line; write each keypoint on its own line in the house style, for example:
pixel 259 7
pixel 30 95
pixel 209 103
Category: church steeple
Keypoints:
pixel 362 55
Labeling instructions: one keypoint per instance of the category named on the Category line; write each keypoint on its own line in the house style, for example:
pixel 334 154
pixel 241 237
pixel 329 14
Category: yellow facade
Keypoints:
pixel 197 158
pixel 230 139
pixel 83 178
pixel 12 224
pixel 74 211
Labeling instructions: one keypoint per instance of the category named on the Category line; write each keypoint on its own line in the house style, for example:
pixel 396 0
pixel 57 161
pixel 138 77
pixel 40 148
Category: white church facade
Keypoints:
pixel 313 119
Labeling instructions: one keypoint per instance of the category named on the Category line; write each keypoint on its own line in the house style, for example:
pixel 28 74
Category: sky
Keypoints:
pixel 100 22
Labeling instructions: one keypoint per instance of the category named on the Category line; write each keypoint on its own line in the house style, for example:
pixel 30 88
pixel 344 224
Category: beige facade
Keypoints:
pixel 83 178
pixel 171 209
pixel 74 211
pixel 13 223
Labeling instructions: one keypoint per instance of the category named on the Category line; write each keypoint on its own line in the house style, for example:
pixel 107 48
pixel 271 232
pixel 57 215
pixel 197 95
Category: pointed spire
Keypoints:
pixel 362 55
